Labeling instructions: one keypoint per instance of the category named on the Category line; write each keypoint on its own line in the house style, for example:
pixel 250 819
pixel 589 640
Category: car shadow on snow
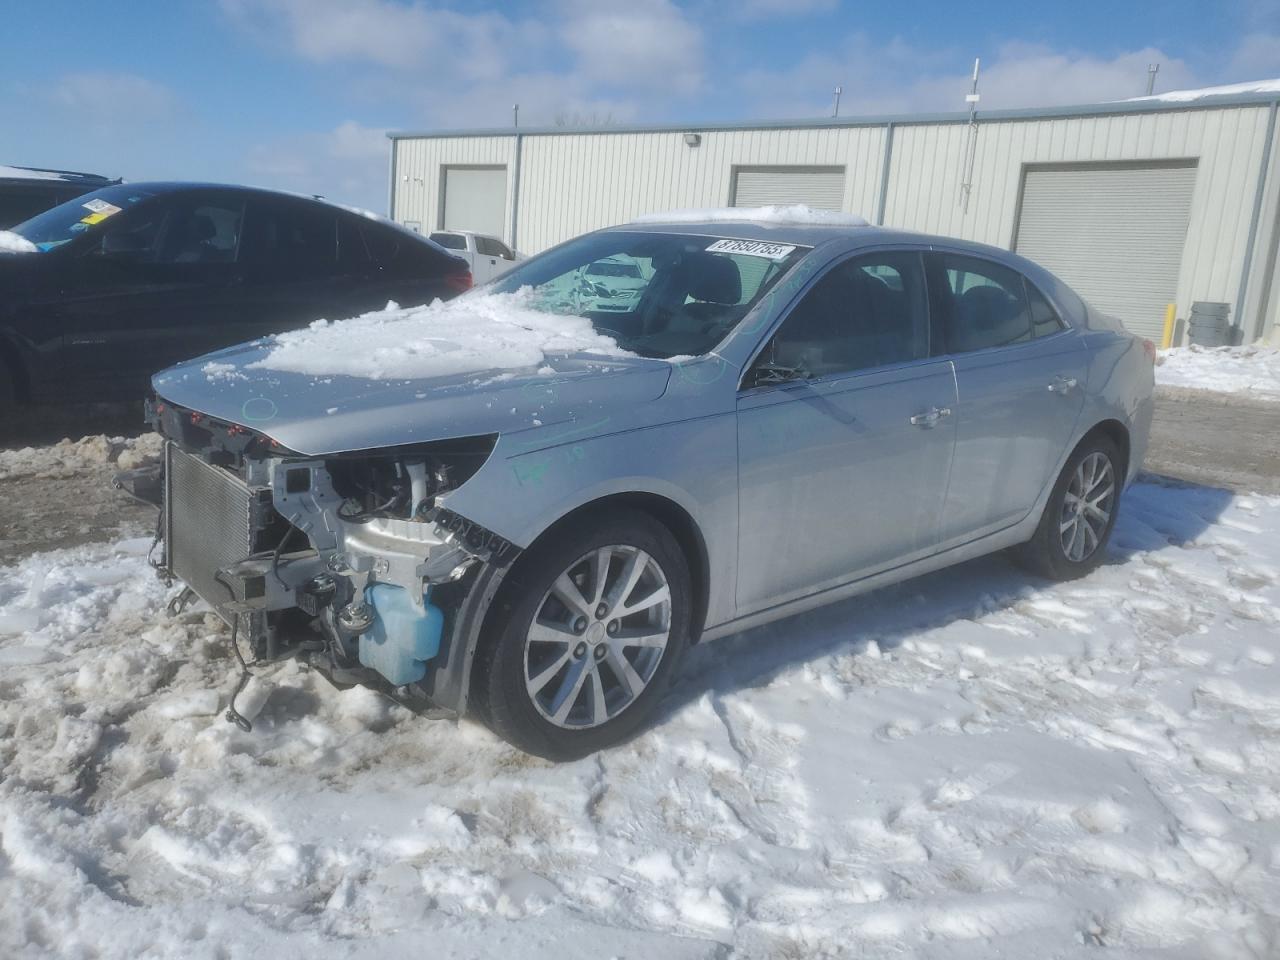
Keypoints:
pixel 1156 513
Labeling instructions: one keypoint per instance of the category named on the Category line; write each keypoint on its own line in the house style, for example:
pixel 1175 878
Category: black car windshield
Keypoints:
pixel 88 213
pixel 659 294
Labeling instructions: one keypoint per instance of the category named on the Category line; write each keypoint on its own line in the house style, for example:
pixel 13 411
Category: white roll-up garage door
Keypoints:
pixel 475 198
pixel 1113 232
pixel 819 187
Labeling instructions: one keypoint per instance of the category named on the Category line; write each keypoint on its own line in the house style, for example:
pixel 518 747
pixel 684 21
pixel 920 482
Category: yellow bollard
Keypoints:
pixel 1167 340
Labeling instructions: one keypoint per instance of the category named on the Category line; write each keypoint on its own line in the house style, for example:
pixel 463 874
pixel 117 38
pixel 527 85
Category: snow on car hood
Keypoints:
pixel 472 333
pixel 320 415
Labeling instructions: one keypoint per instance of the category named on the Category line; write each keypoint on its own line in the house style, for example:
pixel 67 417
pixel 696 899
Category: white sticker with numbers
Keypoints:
pixel 753 248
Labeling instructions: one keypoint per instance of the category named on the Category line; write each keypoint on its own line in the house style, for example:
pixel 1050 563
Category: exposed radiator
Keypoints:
pixel 212 519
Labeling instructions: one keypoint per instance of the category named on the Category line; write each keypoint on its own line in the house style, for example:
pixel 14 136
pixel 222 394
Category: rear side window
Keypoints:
pixel 450 241
pixel 1044 319
pixel 399 254
pixel 297 240
pixel 351 249
pixel 982 304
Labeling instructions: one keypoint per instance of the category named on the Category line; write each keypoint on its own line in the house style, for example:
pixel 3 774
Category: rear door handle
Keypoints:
pixel 930 416
pixel 1063 384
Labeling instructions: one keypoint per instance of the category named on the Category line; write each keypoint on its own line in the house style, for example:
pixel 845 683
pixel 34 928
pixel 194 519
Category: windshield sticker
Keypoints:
pixel 753 248
pixel 98 205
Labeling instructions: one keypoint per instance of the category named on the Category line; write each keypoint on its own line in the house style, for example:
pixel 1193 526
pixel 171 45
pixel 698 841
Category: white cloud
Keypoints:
pixel 406 38
pixel 888 78
pixel 347 163
pixel 109 98
pixel 764 9
pixel 644 44
pixel 1257 57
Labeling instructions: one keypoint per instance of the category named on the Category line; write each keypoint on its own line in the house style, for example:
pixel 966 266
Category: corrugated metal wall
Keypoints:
pixel 926 171
pixel 418 190
pixel 574 182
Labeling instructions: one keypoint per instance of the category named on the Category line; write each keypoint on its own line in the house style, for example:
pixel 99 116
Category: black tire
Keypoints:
pixel 499 688
pixel 1045 553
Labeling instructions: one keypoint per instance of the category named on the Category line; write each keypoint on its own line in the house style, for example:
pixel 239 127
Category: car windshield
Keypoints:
pixel 658 294
pixel 85 214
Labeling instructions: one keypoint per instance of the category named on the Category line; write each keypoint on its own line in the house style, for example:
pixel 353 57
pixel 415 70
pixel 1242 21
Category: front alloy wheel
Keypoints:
pixel 585 635
pixel 598 637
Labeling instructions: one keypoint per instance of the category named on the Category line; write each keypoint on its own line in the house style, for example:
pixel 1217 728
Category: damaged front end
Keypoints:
pixel 347 560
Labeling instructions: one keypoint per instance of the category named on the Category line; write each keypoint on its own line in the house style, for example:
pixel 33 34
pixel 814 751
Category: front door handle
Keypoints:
pixel 1063 384
pixel 930 416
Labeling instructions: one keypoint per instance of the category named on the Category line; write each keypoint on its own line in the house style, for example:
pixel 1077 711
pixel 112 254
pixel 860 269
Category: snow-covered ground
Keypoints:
pixel 1250 370
pixel 970 765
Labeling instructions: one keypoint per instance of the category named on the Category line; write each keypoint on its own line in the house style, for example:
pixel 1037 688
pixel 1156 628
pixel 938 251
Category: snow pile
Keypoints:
pixel 1229 89
pixel 1251 370
pixel 69 457
pixel 470 334
pixel 11 242
pixel 970 765
pixel 795 213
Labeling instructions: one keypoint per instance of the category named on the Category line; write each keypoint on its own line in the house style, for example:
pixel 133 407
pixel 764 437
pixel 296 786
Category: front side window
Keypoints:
pixel 981 304
pixel 489 247
pixel 870 311
pixel 657 294
pixel 202 232
pixel 1044 319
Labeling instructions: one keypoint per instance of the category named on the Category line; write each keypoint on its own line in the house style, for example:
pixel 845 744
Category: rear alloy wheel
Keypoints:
pixel 589 639
pixel 1080 515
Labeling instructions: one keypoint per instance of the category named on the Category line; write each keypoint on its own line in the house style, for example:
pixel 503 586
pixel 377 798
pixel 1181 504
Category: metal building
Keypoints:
pixel 1137 204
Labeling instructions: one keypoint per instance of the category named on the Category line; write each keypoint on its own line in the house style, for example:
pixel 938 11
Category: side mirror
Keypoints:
pixel 769 373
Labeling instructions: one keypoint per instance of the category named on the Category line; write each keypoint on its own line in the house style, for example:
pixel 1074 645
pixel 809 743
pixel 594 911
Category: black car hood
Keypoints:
pixel 321 415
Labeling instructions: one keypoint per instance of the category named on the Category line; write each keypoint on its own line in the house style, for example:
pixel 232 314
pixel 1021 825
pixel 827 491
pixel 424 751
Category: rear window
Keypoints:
pixel 450 241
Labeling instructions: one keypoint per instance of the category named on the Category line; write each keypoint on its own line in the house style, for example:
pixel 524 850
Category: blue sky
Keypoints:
pixel 298 93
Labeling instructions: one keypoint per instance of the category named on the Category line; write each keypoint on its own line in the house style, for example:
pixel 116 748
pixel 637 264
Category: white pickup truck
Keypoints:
pixel 489 257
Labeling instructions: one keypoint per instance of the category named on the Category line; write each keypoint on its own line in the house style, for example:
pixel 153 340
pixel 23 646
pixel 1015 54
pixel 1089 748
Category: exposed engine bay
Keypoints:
pixel 348 561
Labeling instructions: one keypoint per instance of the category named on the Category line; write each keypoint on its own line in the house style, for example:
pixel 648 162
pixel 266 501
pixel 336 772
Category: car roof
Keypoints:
pixel 47 175
pixel 161 187
pixel 810 234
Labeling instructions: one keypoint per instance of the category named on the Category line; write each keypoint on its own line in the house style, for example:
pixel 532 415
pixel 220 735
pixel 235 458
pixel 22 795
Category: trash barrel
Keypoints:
pixel 1209 325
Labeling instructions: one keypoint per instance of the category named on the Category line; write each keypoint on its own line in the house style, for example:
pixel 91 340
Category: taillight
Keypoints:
pixel 1149 349
pixel 459 282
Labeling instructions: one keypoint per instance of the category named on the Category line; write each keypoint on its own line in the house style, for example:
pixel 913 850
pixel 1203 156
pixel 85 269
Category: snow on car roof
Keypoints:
pixel 473 333
pixel 794 213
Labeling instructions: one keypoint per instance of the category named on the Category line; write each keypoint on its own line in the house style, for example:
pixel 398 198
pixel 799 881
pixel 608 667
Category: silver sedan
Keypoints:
pixel 805 412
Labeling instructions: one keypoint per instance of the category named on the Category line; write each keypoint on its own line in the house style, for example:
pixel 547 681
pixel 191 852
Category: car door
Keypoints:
pixel 157 288
pixel 1020 376
pixel 492 257
pixel 845 434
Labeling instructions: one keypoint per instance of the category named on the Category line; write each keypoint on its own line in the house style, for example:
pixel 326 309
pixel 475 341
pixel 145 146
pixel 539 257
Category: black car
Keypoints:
pixel 27 191
pixel 132 278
